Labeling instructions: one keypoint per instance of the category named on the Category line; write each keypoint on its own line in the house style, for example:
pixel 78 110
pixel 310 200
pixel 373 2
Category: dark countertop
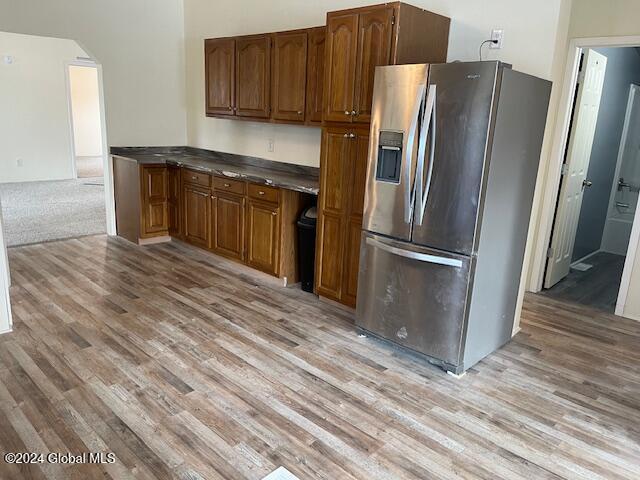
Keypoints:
pixel 278 174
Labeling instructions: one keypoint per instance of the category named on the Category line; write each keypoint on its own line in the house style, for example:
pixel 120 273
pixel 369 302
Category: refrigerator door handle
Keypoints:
pixel 409 192
pixel 429 122
pixel 421 257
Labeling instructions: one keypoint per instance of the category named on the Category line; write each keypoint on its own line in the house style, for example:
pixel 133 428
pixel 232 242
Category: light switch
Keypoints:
pixel 8 59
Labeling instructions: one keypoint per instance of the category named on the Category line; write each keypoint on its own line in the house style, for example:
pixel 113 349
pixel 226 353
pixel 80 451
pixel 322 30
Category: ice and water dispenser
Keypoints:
pixel 389 156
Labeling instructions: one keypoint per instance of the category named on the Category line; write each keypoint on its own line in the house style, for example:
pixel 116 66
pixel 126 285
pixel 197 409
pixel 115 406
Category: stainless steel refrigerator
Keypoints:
pixel 452 167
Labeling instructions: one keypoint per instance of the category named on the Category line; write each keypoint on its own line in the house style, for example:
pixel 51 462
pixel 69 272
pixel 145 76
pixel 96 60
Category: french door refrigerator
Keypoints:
pixel 453 159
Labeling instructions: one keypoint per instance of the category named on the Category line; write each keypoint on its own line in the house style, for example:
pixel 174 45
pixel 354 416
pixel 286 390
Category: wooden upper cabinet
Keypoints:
pixel 361 39
pixel 315 73
pixel 340 66
pixel 220 75
pixel 374 49
pixel 253 76
pixel 289 76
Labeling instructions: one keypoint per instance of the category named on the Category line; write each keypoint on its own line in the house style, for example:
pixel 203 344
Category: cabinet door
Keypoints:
pixel 357 184
pixel 289 76
pixel 315 73
pixel 334 196
pixel 340 66
pixel 228 225
pixel 220 72
pixel 154 200
pixel 173 200
pixel 253 69
pixel 374 49
pixel 197 216
pixel 263 227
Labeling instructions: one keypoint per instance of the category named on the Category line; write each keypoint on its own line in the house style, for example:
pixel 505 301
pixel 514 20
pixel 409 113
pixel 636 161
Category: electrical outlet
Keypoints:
pixel 497 34
pixel 271 145
pixel 19 162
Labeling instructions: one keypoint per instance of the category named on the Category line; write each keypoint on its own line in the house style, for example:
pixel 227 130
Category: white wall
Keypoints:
pixel 140 46
pixel 34 117
pixel 85 110
pixel 530 40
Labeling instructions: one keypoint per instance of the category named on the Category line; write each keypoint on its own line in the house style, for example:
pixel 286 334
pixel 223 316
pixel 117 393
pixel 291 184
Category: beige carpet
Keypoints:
pixel 36 212
pixel 89 167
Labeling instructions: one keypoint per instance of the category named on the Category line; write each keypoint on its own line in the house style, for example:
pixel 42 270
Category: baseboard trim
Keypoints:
pixel 586 257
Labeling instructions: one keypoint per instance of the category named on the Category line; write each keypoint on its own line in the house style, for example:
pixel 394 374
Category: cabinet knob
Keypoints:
pixel 230 108
pixel 347 112
pixel 352 135
pixel 227 185
pixel 299 113
pixel 194 178
pixel 346 135
pixel 353 112
pixel 260 192
pixel 274 213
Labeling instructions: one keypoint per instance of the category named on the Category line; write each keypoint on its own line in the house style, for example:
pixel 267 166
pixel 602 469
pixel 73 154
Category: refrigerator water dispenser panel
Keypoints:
pixel 389 156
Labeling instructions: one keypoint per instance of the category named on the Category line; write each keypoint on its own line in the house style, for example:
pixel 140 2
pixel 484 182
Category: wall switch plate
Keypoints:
pixel 271 145
pixel 19 162
pixel 497 34
pixel 8 59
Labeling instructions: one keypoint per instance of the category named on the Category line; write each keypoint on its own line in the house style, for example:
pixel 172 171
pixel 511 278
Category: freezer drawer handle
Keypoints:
pixel 428 123
pixel 421 257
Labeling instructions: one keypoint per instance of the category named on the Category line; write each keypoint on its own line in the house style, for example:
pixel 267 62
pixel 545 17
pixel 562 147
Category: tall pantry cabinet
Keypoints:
pixel 358 40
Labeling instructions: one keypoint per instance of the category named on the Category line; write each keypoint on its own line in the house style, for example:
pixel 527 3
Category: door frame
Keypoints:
pixel 559 144
pixel 6 321
pixel 634 239
pixel 106 158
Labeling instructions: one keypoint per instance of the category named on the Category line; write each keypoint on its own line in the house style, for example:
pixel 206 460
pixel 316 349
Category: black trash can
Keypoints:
pixel 307 247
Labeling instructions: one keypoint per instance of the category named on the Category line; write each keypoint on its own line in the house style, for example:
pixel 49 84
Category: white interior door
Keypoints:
pixel 585 119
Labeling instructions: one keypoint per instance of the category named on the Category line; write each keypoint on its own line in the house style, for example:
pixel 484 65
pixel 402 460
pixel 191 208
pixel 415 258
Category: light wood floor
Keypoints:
pixel 187 367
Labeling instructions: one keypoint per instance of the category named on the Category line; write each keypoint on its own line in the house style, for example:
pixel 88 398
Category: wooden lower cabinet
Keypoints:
pixel 154 201
pixel 329 255
pixel 174 202
pixel 343 170
pixel 227 226
pixel 263 236
pixel 197 215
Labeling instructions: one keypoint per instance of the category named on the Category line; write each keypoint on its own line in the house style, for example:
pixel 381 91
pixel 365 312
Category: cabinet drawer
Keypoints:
pixel 228 185
pixel 264 193
pixel 197 178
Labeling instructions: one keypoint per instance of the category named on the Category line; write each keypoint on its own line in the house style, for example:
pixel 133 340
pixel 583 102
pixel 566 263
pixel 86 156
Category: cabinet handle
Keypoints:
pixel 274 213
pixel 347 112
pixel 201 194
pixel 299 113
pixel 227 185
pixel 230 108
pixel 260 192
pixel 352 135
pixel 353 112
pixel 346 135
pixel 194 178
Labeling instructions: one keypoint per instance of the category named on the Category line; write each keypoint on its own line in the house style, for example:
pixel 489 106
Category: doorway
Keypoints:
pixel 596 202
pixel 85 117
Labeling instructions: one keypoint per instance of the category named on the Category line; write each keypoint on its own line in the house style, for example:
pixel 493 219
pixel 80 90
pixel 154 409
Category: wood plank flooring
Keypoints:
pixel 187 366
pixel 597 287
